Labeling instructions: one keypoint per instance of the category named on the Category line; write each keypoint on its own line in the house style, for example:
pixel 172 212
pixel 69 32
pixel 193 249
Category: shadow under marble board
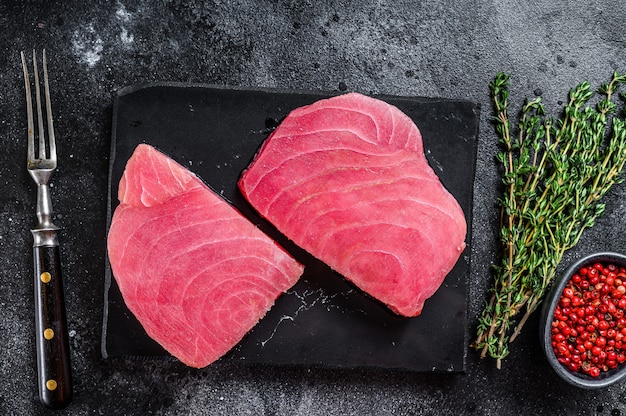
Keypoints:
pixel 323 321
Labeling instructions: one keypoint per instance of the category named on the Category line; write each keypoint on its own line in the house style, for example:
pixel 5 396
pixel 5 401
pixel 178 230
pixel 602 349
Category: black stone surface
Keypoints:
pixel 323 321
pixel 429 48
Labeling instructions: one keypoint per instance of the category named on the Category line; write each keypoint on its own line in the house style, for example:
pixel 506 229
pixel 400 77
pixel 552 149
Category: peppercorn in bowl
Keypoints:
pixel 583 322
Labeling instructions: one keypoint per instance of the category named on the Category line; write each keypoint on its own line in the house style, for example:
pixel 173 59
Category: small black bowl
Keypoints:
pixel 552 299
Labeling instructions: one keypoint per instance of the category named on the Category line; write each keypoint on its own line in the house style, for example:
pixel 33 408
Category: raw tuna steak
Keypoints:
pixel 347 180
pixel 196 274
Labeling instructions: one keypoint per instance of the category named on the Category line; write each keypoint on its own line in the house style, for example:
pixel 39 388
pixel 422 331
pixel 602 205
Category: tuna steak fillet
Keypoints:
pixel 346 179
pixel 196 273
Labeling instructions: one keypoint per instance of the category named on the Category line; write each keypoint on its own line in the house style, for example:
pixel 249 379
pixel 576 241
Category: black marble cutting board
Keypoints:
pixel 323 320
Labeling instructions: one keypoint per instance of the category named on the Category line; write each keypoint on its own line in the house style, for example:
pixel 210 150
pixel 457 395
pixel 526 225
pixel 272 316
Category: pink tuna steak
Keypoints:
pixel 196 274
pixel 347 180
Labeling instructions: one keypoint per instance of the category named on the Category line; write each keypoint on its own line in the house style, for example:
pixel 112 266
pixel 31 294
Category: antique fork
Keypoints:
pixel 53 351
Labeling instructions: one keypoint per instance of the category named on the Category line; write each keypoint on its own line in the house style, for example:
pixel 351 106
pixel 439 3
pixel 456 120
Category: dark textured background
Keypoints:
pixel 411 48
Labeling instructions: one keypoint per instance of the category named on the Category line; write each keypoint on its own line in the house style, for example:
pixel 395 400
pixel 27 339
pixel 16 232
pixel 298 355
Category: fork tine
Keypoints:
pixel 51 142
pixel 42 137
pixel 29 112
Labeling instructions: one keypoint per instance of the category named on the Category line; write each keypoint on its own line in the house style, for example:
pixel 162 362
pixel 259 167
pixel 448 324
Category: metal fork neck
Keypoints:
pixel 45 233
pixel 44 206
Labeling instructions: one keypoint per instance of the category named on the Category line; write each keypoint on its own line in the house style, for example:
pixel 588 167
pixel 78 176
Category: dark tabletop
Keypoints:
pixel 404 48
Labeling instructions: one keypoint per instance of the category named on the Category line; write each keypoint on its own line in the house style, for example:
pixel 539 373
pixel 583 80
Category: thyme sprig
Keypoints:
pixel 555 173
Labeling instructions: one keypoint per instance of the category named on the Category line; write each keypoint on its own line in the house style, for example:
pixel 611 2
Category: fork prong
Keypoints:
pixel 51 143
pixel 42 137
pixel 29 112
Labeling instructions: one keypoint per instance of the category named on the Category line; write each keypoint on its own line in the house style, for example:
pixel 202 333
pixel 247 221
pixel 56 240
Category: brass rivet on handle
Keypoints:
pixel 48 333
pixel 46 277
pixel 51 385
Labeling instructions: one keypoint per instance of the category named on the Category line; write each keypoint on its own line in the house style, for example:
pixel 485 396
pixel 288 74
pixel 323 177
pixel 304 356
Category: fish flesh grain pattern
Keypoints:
pixel 346 179
pixel 196 273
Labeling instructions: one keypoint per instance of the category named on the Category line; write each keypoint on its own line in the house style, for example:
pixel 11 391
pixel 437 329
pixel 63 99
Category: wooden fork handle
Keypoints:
pixel 53 350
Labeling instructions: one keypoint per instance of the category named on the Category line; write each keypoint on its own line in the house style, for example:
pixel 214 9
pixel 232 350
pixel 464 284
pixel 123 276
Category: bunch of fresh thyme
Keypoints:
pixel 555 173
